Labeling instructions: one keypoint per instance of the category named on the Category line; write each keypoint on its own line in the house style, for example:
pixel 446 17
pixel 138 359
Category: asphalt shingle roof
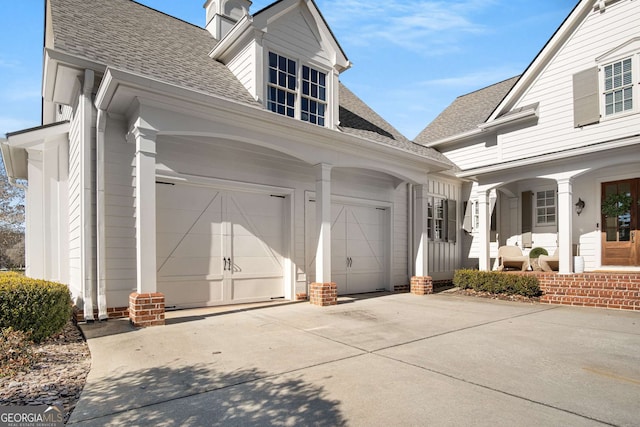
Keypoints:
pixel 132 37
pixel 357 118
pixel 129 36
pixel 466 112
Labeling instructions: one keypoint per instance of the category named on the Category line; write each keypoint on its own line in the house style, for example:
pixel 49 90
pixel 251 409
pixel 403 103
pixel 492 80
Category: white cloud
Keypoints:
pixel 474 80
pixel 22 93
pixel 426 26
pixel 8 63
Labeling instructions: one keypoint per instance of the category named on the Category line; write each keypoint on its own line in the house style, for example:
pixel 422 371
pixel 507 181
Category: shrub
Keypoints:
pixel 497 283
pixel 16 352
pixel 536 252
pixel 37 307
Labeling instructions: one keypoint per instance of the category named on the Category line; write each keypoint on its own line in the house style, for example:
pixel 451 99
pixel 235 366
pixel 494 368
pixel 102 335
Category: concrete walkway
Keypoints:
pixel 392 360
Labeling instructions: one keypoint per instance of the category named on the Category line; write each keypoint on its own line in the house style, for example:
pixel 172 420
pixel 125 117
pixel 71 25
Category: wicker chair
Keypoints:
pixel 511 257
pixel 550 262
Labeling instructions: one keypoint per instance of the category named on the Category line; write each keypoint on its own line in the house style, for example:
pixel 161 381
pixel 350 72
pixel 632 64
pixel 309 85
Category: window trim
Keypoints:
pixel 555 207
pixel 300 64
pixel 634 55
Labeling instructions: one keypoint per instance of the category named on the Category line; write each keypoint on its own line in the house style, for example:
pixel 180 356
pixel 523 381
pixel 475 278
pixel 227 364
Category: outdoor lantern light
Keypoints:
pixel 579 206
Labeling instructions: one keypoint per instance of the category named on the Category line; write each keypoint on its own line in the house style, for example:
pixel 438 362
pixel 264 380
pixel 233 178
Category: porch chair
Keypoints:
pixel 550 262
pixel 512 257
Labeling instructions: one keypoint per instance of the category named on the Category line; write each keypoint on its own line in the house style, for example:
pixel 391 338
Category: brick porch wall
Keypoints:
pixel 605 290
pixel 112 313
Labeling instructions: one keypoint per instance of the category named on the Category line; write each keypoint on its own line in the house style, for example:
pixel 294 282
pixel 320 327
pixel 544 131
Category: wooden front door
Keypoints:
pixel 620 235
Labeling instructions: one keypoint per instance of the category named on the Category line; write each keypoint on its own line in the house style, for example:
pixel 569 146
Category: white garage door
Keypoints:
pixel 219 247
pixel 359 245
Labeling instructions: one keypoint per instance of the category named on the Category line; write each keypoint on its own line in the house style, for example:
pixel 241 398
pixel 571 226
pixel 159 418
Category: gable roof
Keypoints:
pixel 129 36
pixel 466 112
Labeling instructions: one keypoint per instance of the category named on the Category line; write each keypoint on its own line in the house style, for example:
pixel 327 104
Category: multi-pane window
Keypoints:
pixel 283 73
pixel 618 87
pixel 546 207
pixel 442 221
pixel 314 96
pixel 285 91
pixel 439 219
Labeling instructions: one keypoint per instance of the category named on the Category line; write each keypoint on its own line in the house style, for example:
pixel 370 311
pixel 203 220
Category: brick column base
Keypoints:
pixel 421 285
pixel 146 309
pixel 323 294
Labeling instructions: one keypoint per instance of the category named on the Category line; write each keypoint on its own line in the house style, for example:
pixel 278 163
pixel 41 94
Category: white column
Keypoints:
pixel 421 232
pixel 484 217
pixel 145 140
pixel 101 231
pixel 565 225
pixel 323 223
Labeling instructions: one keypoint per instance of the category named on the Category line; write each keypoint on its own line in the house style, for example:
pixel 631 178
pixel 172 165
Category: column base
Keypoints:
pixel 146 309
pixel 421 285
pixel 323 294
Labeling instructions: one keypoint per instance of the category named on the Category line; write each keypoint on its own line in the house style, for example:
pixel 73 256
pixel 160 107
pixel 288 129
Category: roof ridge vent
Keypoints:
pixel 222 15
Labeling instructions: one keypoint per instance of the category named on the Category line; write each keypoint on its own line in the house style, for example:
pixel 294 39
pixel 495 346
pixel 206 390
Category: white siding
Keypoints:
pixel 75 277
pixel 598 34
pixel 243 67
pixel 553 90
pixel 444 257
pixel 120 256
pixel 293 34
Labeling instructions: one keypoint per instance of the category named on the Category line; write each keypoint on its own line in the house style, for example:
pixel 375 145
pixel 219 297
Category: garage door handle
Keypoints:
pixel 225 264
pixel 349 262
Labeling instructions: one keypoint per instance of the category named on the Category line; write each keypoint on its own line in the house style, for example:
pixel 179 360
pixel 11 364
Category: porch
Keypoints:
pixel 614 290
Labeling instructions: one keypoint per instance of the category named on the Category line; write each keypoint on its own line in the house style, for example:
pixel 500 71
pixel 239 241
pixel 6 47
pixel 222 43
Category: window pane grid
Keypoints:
pixel 314 96
pixel 281 96
pixel 546 207
pixel 618 87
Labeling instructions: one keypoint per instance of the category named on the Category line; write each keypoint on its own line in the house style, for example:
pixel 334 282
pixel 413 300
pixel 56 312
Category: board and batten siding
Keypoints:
pixel 444 256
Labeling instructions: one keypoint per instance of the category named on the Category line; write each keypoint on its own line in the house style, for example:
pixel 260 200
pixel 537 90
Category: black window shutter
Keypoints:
pixel 586 99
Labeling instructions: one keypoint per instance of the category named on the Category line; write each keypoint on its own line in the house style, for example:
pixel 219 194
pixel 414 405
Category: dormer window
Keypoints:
pixel 305 99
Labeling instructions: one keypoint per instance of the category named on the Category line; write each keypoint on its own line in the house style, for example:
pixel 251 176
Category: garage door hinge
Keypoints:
pixel 164 183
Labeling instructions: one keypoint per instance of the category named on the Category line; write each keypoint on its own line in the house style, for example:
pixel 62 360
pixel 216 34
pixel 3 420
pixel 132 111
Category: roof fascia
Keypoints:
pixel 232 38
pixel 562 34
pixel 549 157
pixel 511 119
pixel 116 83
pixel 264 17
pixel 454 139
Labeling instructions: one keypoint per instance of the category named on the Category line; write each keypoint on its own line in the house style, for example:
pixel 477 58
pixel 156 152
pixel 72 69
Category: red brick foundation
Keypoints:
pixel 605 290
pixel 421 285
pixel 112 313
pixel 301 296
pixel 323 294
pixel 146 309
pixel 401 288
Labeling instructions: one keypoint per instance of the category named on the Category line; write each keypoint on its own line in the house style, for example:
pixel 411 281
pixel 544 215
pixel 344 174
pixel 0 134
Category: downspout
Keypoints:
pixel 101 245
pixel 86 244
pixel 15 183
pixel 410 230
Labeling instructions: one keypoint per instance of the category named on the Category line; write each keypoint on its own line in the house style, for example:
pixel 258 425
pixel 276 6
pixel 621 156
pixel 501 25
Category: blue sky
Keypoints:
pixel 411 58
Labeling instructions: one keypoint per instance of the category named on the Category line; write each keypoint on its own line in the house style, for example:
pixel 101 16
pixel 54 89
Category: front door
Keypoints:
pixel 620 236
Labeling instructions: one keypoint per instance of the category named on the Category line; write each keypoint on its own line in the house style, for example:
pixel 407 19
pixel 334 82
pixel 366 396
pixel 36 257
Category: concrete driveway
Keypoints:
pixel 392 360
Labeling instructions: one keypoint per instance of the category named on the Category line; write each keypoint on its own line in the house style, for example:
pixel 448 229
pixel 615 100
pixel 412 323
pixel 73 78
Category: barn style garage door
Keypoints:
pixel 219 247
pixel 359 242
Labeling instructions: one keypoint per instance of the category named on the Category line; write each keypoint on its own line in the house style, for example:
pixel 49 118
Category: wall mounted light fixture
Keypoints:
pixel 579 206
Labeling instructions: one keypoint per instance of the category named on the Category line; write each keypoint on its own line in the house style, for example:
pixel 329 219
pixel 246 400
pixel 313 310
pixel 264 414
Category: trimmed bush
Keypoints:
pixel 497 282
pixel 16 353
pixel 37 307
pixel 536 252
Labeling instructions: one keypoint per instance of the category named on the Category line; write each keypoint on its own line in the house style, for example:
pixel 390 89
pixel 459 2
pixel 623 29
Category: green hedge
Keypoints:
pixel 497 282
pixel 37 307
